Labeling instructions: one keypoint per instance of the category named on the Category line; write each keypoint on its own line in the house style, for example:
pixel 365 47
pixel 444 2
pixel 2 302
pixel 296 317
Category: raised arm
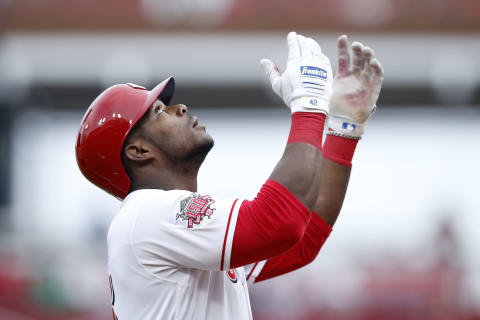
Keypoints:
pixel 355 92
pixel 278 217
pixel 305 87
pixel 356 88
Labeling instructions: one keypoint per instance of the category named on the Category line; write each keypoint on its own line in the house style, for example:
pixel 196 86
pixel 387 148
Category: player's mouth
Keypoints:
pixel 195 124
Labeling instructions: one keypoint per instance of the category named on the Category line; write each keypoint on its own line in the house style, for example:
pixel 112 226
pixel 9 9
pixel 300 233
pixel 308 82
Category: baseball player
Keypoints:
pixel 174 253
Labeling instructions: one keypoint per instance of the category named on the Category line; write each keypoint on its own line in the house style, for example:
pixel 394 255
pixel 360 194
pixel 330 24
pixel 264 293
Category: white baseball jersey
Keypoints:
pixel 169 258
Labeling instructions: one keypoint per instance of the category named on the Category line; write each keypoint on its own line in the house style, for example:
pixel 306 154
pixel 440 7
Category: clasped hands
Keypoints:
pixel 308 85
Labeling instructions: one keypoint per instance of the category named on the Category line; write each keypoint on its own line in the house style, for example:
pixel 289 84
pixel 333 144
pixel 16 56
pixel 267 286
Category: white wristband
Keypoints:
pixel 310 104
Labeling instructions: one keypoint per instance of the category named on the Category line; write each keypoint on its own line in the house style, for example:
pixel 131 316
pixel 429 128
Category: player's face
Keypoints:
pixel 176 133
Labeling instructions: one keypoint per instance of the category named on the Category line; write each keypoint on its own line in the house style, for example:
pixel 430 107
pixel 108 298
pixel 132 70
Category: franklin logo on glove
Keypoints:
pixel 301 91
pixel 313 72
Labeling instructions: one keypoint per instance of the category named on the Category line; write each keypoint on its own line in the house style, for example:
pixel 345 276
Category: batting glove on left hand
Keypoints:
pixel 306 84
pixel 356 88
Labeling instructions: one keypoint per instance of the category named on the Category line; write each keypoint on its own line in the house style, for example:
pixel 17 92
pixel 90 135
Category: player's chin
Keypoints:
pixel 200 149
pixel 208 141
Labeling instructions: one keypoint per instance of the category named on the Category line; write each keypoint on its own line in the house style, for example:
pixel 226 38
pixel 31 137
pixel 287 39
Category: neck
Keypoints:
pixel 178 177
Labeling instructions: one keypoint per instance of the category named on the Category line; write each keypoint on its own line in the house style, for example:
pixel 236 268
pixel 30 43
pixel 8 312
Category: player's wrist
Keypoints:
pixel 307 128
pixel 310 104
pixel 339 149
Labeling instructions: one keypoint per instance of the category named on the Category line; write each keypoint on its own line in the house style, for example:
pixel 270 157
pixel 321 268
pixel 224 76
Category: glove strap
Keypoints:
pixel 307 127
pixel 340 134
pixel 309 104
pixel 345 127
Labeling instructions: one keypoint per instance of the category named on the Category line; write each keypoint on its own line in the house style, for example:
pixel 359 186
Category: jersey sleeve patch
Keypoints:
pixel 194 209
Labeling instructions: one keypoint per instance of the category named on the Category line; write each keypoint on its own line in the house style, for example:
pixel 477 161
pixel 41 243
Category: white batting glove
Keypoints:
pixel 355 89
pixel 306 84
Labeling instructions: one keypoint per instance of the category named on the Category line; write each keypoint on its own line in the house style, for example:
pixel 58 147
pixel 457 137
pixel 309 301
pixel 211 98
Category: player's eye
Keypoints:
pixel 158 110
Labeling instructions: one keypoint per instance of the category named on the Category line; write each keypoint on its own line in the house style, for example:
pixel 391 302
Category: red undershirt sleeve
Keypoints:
pixel 269 225
pixel 301 254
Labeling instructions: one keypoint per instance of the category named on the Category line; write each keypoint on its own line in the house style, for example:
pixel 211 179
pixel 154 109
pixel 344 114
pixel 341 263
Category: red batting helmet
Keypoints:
pixel 104 128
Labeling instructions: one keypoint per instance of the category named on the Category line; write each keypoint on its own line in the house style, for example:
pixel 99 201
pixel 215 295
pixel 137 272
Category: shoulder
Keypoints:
pixel 154 208
pixel 153 202
pixel 146 203
pixel 153 199
pixel 157 195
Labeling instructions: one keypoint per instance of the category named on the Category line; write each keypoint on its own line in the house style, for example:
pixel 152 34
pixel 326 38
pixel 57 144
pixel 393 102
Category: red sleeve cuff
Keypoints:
pixel 321 225
pixel 307 128
pixel 339 150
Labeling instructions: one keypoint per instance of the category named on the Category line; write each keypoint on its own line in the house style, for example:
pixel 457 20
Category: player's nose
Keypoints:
pixel 181 109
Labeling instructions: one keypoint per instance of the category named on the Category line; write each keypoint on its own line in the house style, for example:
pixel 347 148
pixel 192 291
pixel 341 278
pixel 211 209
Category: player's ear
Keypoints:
pixel 138 152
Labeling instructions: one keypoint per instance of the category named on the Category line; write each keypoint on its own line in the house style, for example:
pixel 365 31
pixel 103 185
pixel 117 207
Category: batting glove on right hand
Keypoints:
pixel 306 84
pixel 356 88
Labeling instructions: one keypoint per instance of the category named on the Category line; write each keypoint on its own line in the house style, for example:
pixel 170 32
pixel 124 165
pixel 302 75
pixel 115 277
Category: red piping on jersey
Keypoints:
pixel 251 271
pixel 226 234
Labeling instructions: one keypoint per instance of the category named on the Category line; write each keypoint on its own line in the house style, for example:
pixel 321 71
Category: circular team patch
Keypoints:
pixel 232 275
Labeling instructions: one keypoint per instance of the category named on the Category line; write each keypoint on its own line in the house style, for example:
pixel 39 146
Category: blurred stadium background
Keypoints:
pixel 407 243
